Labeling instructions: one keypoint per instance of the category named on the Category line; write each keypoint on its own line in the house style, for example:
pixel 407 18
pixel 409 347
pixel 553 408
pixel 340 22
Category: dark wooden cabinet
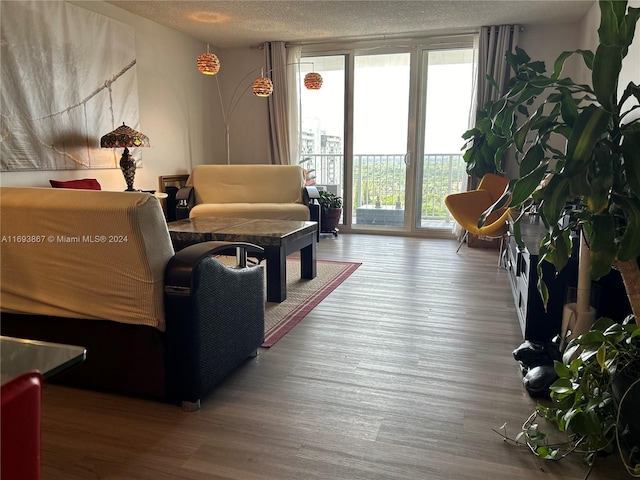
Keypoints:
pixel 536 323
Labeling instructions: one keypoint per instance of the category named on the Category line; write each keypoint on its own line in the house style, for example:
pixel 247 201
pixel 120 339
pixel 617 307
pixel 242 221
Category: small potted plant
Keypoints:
pixel 594 400
pixel 330 211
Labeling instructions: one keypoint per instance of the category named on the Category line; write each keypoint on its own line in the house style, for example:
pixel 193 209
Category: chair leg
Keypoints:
pixel 503 251
pixel 464 237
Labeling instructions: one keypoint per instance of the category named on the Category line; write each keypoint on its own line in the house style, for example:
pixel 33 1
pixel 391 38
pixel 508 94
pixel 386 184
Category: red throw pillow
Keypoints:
pixel 82 184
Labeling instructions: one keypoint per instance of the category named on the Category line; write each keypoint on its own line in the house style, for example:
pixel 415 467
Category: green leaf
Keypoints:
pixel 569 107
pixel 602 246
pixel 608 31
pixel 554 199
pixel 590 125
pixel 533 159
pixel 602 182
pixel 559 249
pixel 524 186
pixel 587 56
pixel 632 90
pixel 568 354
pixel 592 338
pixel 631 154
pixel 629 246
pixel 607 65
pixel 603 324
pixel 562 385
pixel 600 357
pixel 493 82
pixel 628 29
pixel 561 370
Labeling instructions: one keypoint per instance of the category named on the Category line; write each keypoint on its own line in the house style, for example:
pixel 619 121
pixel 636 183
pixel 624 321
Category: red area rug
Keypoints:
pixel 302 296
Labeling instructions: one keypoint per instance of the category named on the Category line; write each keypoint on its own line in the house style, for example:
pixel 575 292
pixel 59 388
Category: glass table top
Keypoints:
pixel 18 356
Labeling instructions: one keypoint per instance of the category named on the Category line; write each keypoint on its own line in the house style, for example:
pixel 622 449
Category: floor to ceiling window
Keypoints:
pixel 322 122
pixel 385 130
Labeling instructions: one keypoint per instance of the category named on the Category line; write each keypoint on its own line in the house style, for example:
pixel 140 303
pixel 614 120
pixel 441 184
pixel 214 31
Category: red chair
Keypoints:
pixel 21 400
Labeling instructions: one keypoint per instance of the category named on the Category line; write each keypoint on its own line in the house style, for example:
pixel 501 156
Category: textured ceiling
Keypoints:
pixel 241 23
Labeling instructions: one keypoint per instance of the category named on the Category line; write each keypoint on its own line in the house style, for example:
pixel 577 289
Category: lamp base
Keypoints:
pixel 128 167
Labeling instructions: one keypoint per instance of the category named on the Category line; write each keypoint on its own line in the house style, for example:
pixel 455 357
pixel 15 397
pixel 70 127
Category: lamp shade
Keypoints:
pixel 208 63
pixel 124 136
pixel 262 87
pixel 313 81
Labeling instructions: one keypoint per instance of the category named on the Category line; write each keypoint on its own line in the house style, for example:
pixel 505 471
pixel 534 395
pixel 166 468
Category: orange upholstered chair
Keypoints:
pixel 21 400
pixel 468 207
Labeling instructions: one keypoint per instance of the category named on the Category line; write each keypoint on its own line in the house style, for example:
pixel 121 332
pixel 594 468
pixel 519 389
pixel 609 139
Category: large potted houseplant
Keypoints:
pixel 578 150
pixel 576 145
pixel 330 211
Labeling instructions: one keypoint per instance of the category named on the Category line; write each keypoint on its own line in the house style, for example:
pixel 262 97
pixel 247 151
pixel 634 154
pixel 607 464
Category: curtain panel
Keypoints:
pixel 493 44
pixel 278 104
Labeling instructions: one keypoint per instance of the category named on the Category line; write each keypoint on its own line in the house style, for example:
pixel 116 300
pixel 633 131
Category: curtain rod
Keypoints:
pixel 382 37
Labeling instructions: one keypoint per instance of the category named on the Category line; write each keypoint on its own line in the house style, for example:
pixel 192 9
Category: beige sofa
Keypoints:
pixel 245 191
pixel 98 269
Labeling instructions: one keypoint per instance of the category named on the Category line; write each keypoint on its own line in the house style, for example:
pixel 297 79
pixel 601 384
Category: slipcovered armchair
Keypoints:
pixel 103 273
pixel 468 207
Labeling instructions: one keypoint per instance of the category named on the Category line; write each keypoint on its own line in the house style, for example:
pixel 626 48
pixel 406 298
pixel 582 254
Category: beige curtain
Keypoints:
pixel 493 44
pixel 278 105
pixel 490 50
pixel 294 56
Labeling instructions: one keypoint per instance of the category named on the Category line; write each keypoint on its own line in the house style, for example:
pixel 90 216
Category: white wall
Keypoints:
pixel 589 39
pixel 174 104
pixel 547 42
pixel 248 121
pixel 631 64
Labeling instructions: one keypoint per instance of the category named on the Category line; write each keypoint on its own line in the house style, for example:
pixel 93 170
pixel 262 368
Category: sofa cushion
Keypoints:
pixel 276 211
pixel 82 184
pixel 84 254
pixel 247 183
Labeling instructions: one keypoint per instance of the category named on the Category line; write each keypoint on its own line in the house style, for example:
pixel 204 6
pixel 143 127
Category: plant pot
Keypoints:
pixel 330 219
pixel 629 412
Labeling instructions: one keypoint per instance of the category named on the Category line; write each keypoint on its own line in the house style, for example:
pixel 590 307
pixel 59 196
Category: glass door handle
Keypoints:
pixel 407 159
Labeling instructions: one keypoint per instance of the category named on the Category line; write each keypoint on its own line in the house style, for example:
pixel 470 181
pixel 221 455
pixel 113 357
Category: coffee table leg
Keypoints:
pixel 308 258
pixel 276 274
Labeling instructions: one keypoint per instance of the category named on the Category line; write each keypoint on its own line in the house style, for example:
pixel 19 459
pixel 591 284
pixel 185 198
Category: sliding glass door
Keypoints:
pixel 322 123
pixel 385 132
pixel 446 91
pixel 380 139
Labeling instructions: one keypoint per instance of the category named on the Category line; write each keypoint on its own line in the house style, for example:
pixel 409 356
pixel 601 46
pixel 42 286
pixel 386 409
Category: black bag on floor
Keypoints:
pixel 536 364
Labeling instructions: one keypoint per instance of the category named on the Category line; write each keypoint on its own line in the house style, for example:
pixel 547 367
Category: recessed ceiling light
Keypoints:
pixel 204 16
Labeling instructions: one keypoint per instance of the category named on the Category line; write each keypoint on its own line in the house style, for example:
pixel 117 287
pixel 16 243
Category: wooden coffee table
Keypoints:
pixel 279 238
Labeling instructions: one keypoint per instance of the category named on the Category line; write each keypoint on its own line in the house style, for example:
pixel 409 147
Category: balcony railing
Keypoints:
pixel 379 180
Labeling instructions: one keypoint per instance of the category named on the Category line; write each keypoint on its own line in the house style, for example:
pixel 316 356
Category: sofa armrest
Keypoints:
pixel 179 273
pixel 310 197
pixel 214 319
pixel 310 194
pixel 184 202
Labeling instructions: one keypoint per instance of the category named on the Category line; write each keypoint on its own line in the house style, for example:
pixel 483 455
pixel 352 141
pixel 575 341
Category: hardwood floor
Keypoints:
pixel 401 373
